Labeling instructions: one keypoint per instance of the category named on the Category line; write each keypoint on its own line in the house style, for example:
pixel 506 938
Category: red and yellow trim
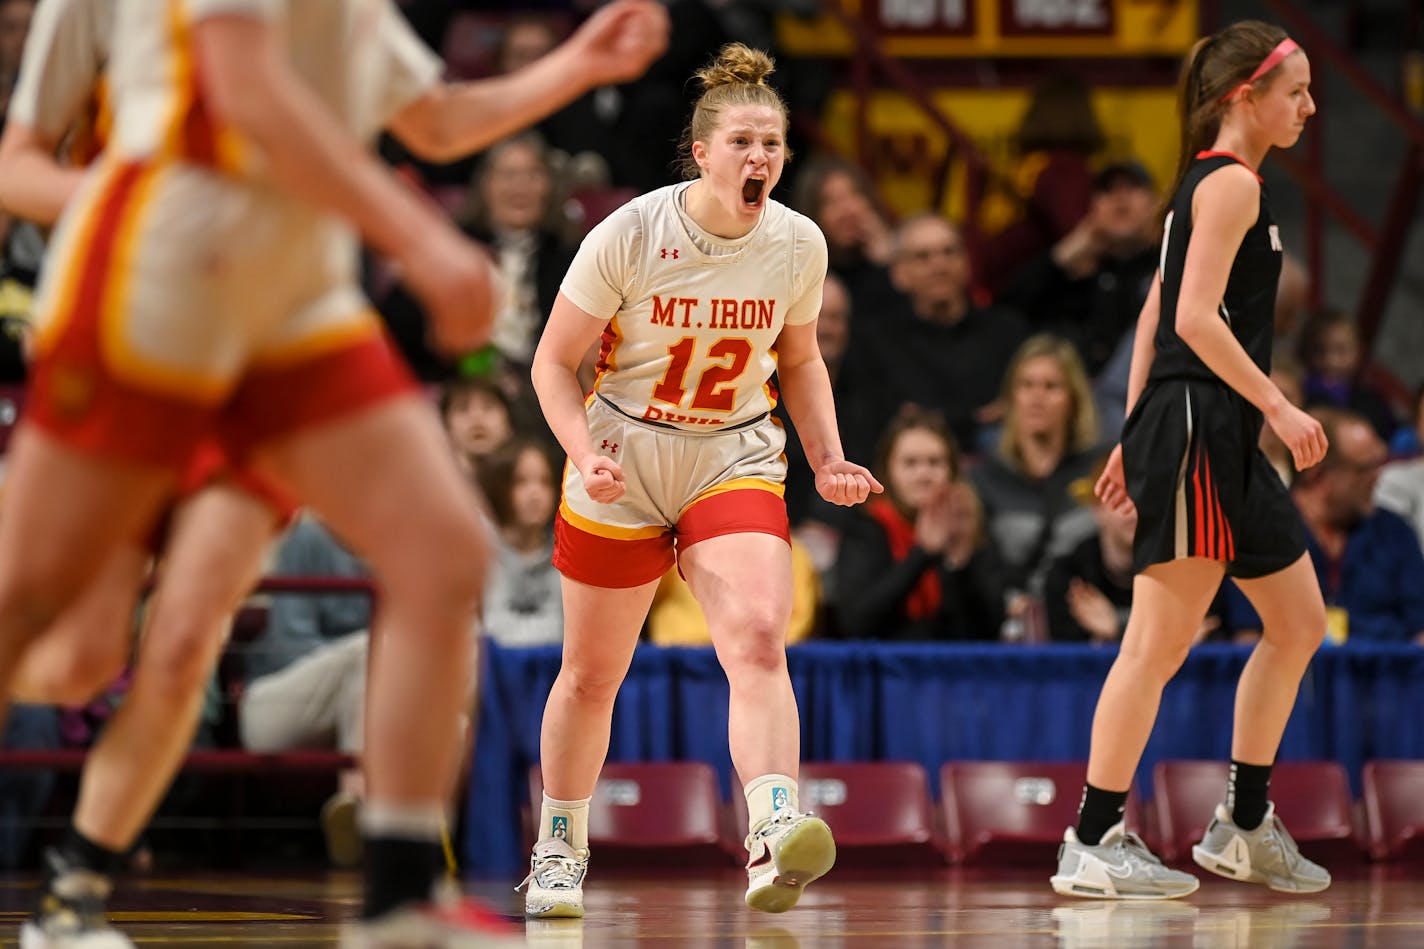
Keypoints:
pixel 608 531
pixel 609 562
pixel 740 509
pixel 736 484
pixel 193 134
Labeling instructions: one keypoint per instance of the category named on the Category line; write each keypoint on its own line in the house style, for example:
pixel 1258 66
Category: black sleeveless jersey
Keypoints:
pixel 1249 304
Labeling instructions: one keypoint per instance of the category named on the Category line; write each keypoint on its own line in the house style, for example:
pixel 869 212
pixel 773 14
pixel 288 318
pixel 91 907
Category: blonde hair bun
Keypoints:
pixel 737 63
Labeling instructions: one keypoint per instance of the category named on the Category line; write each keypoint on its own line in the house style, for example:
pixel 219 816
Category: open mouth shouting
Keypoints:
pixel 754 192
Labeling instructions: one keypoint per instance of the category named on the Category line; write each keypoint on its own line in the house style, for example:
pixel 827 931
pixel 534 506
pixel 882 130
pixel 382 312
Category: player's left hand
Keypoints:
pixel 621 40
pixel 1111 488
pixel 844 483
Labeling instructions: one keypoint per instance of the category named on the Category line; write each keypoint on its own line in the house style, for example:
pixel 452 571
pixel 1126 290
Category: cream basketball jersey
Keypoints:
pixel 359 56
pixel 61 92
pixel 693 318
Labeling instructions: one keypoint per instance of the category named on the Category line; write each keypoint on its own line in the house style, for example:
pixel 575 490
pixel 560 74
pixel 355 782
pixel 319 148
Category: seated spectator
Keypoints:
pixel 1330 353
pixel 523 605
pixel 1088 592
pixel 513 215
pixel 1401 484
pixel 913 563
pixel 1368 560
pixel 526 38
pixel 1048 441
pixel 1048 188
pixel 478 419
pixel 839 197
pixel 936 348
pixel 306 674
pixel 676 619
pixel 1089 287
pixel 513 210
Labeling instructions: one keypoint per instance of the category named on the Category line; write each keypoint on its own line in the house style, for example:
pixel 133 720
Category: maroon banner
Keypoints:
pixel 1056 18
pixel 929 18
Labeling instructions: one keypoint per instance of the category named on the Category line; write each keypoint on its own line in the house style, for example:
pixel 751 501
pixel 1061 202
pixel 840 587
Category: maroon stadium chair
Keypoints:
pixel 643 814
pixel 1394 809
pixel 1013 813
pixel 879 811
pixel 1311 797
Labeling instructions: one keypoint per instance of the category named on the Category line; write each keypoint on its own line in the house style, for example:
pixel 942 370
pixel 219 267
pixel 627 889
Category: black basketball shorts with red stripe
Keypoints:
pixel 1202 486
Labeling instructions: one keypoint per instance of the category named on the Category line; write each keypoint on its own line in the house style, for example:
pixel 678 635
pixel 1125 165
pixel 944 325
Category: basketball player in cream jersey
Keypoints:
pixel 699 292
pixel 218 534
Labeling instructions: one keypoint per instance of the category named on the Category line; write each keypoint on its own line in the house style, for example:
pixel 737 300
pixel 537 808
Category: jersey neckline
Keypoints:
pixel 1212 153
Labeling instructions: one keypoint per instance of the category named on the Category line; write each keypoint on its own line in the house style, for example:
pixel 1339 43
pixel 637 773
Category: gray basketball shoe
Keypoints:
pixel 554 887
pixel 1120 867
pixel 1265 855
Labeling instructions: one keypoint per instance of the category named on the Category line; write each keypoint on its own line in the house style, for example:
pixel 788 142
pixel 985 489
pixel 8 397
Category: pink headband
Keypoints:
pixel 1283 49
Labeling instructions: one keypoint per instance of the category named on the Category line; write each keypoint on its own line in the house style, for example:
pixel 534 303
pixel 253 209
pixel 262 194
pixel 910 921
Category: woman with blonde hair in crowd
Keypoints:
pixel 913 563
pixel 1048 441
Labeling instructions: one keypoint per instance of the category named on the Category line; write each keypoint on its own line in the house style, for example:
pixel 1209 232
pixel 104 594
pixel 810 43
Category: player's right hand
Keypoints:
pixel 602 478
pixel 621 40
pixel 459 285
pixel 1301 432
pixel 1111 488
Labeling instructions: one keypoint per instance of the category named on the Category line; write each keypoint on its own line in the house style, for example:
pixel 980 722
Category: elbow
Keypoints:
pixel 432 141
pixel 428 131
pixel 1189 330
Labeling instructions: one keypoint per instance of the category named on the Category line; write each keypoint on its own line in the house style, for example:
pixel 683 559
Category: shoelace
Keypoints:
pixel 1134 844
pixel 773 824
pixel 555 872
pixel 1285 843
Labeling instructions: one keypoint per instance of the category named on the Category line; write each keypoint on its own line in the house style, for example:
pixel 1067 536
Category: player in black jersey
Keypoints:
pixel 1208 503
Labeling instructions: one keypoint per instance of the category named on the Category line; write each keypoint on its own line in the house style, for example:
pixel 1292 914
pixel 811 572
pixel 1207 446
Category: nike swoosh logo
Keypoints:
pixel 1119 871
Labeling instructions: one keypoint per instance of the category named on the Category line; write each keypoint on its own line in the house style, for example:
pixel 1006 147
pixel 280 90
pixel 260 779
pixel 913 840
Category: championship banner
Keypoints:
pixel 1020 28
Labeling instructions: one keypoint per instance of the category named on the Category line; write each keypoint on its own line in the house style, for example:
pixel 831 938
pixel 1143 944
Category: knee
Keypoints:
pixel 590 688
pixel 73 678
pixel 448 572
pixel 1156 660
pixel 755 643
pixel 29 607
pixel 179 658
pixel 1303 631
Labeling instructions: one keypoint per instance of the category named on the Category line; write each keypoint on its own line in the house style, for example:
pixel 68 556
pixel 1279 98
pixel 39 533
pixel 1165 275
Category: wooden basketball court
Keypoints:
pixel 1379 907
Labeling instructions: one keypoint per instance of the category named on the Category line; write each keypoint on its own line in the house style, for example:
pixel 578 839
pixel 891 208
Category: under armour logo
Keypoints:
pixel 666 253
pixel 607 446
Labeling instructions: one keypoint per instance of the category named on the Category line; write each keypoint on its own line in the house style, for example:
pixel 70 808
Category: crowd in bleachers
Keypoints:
pixel 985 381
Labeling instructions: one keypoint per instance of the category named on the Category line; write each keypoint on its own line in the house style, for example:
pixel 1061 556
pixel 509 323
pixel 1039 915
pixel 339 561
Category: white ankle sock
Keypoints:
pixel 564 820
pixel 403 821
pixel 770 794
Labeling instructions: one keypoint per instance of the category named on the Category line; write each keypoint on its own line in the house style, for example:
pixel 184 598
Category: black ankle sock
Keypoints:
pixel 1098 812
pixel 398 871
pixel 1246 791
pixel 81 853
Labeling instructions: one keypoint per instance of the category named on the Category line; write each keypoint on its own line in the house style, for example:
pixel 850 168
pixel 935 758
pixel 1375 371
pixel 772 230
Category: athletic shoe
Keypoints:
pixel 1119 867
pixel 70 914
pixel 785 853
pixel 339 828
pixel 554 887
pixel 1265 855
pixel 450 921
